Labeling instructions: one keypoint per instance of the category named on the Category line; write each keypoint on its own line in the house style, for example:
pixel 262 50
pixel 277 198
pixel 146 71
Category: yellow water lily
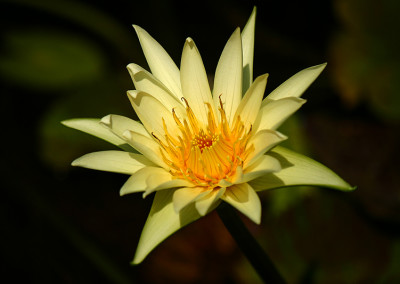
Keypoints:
pixel 195 147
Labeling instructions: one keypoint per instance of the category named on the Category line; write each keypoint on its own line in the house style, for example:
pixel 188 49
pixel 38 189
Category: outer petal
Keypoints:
pixel 299 170
pixel 245 199
pixel 184 196
pixel 298 83
pixel 262 142
pixel 207 203
pixel 118 124
pixel 160 63
pixel 228 76
pixel 147 146
pixel 248 51
pixel 195 87
pixel 251 102
pixel 152 113
pixel 265 164
pixel 150 179
pixel 274 112
pixel 162 222
pixel 146 82
pixel 113 161
pixel 92 126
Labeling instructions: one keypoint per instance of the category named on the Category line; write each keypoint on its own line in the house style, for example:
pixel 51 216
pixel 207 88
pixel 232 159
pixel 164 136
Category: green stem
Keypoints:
pixel 249 246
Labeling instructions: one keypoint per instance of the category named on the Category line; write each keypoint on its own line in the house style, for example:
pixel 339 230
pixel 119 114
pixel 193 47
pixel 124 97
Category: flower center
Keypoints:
pixel 203 140
pixel 205 155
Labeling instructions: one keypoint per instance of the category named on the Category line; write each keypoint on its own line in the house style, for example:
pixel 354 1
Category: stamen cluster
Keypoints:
pixel 206 154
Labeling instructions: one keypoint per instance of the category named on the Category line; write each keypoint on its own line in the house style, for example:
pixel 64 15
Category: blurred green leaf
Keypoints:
pixel 366 62
pixel 88 16
pixel 45 59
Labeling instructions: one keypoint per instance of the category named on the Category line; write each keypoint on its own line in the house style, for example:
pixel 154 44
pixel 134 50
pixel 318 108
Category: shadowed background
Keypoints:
pixel 66 59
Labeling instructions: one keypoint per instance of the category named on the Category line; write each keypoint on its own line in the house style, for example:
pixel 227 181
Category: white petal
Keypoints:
pixel 298 83
pixel 228 76
pixel 298 170
pixel 274 112
pixel 151 113
pixel 248 51
pixel 195 87
pixel 147 146
pixel 160 63
pixel 251 102
pixel 208 202
pixel 186 195
pixel 245 199
pixel 113 161
pixel 92 126
pixel 118 124
pixel 265 164
pixel 262 142
pixel 150 179
pixel 162 222
pixel 146 82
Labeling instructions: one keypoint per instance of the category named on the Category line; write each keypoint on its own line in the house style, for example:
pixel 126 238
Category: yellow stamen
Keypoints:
pixel 207 154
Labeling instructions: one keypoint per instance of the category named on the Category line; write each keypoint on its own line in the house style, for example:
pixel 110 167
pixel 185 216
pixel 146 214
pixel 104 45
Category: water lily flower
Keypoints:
pixel 195 147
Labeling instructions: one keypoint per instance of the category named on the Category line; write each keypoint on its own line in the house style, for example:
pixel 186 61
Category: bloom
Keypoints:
pixel 195 147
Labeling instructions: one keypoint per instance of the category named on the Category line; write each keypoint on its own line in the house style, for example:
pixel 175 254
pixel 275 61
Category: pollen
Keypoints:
pixel 203 140
pixel 205 154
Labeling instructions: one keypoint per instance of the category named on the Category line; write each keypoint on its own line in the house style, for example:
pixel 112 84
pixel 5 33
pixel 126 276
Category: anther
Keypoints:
pixel 220 102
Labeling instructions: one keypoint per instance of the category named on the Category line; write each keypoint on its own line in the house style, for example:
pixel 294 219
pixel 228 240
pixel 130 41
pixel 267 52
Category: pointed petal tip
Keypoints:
pixel 319 66
pixel 136 261
pixel 281 136
pixel 132 94
pixel 189 43
pixel 106 120
pixel 134 69
pixel 262 77
pixel 75 163
pixel 138 29
pixel 65 122
pixel 127 134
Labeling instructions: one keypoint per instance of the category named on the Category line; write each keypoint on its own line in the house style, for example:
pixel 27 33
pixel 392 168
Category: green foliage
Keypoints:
pixel 47 59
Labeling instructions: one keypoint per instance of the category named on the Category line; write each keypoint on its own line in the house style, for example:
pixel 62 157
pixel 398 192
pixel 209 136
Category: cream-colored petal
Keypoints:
pixel 147 146
pixel 195 86
pixel 251 102
pixel 298 83
pixel 299 170
pixel 118 124
pixel 162 222
pixel 263 165
pixel 92 126
pixel 150 179
pixel 274 112
pixel 207 203
pixel 146 82
pixel 113 161
pixel 160 63
pixel 236 178
pixel 228 76
pixel 248 51
pixel 186 195
pixel 245 199
pixel 262 142
pixel 151 113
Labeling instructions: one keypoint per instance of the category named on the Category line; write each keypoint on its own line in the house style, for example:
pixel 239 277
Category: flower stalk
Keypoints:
pixel 248 245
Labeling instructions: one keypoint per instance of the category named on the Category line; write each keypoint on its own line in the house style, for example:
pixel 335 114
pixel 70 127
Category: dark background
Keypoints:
pixel 66 59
